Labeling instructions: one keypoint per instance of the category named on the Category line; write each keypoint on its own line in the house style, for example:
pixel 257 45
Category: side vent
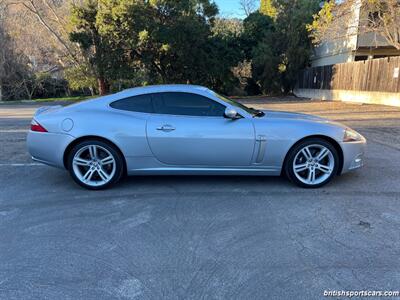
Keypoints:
pixel 261 142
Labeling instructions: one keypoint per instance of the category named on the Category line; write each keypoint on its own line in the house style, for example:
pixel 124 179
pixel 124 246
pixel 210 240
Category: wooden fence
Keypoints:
pixel 378 75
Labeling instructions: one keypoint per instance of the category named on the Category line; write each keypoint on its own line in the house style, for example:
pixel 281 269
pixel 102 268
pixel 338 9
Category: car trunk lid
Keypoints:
pixel 47 109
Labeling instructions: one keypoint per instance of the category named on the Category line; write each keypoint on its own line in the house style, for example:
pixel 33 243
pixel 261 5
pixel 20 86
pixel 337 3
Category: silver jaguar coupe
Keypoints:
pixel 191 130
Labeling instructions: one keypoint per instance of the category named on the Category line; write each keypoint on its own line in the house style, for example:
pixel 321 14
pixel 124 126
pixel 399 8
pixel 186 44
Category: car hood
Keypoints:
pixel 290 115
pixel 270 114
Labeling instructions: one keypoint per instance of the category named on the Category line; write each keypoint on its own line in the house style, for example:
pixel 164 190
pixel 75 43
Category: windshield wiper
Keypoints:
pixel 258 113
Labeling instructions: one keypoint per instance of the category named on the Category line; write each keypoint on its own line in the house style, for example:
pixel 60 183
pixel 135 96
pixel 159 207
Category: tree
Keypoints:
pixel 4 50
pixel 227 28
pixel 230 31
pixel 276 42
pixel 248 6
pixel 40 29
pixel 173 40
pixel 41 26
pixel 93 46
pixel 13 64
pixel 259 46
pixel 268 8
pixel 106 45
pixel 296 48
pixel 341 20
pixel 225 55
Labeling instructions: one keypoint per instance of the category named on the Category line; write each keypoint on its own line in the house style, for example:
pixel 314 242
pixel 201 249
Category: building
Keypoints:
pixel 353 46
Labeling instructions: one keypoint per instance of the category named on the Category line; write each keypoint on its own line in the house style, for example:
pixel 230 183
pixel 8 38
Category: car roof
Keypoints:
pixel 163 88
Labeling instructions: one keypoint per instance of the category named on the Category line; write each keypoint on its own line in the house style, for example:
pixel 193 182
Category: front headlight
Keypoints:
pixel 351 136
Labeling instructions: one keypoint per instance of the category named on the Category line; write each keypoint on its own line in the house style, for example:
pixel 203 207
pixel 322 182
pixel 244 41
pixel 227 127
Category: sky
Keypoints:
pixel 230 8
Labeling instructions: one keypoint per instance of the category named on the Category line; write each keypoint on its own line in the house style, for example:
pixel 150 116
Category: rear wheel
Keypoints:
pixel 312 163
pixel 95 164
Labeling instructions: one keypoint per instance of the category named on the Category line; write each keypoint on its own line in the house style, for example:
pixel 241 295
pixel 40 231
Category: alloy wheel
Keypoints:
pixel 94 165
pixel 313 164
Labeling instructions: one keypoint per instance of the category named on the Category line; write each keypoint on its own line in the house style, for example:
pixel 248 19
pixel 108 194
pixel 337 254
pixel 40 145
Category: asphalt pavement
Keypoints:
pixel 206 237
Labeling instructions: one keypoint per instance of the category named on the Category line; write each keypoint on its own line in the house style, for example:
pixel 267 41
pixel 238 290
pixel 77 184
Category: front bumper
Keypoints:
pixel 353 155
pixel 48 148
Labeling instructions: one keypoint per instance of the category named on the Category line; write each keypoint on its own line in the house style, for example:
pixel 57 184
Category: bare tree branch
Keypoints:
pixel 248 6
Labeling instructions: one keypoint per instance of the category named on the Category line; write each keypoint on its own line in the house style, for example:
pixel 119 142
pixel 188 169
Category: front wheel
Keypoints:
pixel 312 163
pixel 95 164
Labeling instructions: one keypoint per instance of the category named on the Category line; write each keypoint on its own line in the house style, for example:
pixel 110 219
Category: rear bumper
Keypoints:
pixel 48 148
pixel 353 155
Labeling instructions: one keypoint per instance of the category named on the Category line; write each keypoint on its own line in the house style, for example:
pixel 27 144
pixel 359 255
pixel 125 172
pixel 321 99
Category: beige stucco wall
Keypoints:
pixel 332 59
pixel 351 96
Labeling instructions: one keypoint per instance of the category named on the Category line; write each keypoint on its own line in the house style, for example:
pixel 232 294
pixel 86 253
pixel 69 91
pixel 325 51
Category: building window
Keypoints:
pixel 361 57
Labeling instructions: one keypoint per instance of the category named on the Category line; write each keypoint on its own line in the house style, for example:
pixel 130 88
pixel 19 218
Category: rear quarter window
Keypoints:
pixel 140 103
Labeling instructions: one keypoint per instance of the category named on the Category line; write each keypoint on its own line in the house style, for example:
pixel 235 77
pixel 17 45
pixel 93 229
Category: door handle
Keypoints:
pixel 166 128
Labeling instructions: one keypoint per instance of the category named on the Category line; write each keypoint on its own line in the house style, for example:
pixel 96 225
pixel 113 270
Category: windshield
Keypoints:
pixel 254 112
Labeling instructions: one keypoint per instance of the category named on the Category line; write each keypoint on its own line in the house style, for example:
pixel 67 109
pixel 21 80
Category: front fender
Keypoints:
pixel 282 135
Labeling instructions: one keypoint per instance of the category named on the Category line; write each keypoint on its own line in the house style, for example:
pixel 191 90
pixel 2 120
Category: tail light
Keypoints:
pixel 35 126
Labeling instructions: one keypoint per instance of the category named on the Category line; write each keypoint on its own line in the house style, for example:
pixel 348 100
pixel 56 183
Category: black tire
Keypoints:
pixel 289 167
pixel 115 176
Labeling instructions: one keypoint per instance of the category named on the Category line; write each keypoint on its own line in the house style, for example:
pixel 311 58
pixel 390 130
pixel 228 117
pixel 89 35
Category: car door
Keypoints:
pixel 191 130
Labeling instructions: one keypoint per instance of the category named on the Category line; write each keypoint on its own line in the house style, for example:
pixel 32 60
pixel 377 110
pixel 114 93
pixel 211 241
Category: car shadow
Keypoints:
pixel 159 185
pixel 203 180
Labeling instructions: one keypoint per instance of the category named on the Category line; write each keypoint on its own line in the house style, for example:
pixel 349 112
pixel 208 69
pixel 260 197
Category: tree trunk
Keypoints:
pixel 28 93
pixel 119 85
pixel 67 91
pixel 103 89
pixel 1 91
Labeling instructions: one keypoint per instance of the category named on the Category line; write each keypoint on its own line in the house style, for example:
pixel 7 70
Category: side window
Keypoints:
pixel 175 103
pixel 140 103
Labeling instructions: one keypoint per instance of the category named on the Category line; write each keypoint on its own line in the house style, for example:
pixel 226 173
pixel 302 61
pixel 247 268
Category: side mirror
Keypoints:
pixel 231 113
